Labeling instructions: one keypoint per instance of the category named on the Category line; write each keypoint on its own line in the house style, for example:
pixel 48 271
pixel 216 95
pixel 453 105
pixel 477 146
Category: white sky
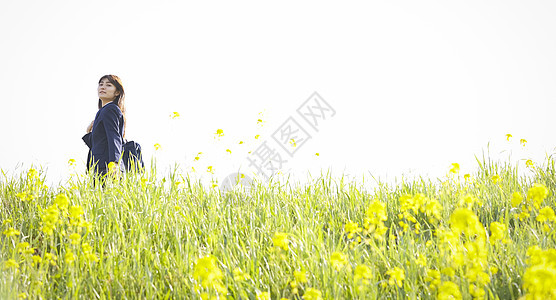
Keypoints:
pixel 416 85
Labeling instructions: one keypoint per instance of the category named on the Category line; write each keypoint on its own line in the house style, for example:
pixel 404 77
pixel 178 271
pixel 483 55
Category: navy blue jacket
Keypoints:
pixel 106 139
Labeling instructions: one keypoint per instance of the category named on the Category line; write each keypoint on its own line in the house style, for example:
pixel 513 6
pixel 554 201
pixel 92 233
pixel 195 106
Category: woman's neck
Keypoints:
pixel 104 102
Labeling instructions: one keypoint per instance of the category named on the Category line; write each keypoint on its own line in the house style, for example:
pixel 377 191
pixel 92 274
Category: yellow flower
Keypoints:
pixel 468 201
pixel 317 154
pixel 497 232
pixel 362 273
pixel 338 260
pixel 546 214
pixel 516 199
pixel 36 259
pixel 62 201
pixel 10 264
pixel 219 132
pixel 421 260
pixel 300 276
pixel 257 136
pixel 240 275
pixel 529 163
pixel 539 279
pixel 50 217
pixel 229 151
pixel 396 276
pixel 207 272
pixel 210 170
pixel 449 290
pixel 260 122
pixel 263 296
pixel 11 232
pixel 69 257
pixel 280 240
pixel 467 177
pixel 495 179
pixel 312 294
pixel 240 142
pixel 352 228
pixel 175 115
pixel 433 276
pixel 157 146
pixel 537 193
pixel 508 136
pixel 71 162
pixel 75 238
pixel 293 143
pixel 463 220
pixel 523 142
pixel 455 168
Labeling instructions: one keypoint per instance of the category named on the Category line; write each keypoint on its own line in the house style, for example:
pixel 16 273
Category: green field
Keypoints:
pixel 489 234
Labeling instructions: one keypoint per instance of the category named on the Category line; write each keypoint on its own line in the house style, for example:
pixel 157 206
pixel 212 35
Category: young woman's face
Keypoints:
pixel 106 90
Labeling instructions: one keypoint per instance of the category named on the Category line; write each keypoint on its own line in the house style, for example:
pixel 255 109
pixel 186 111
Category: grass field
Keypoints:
pixel 490 234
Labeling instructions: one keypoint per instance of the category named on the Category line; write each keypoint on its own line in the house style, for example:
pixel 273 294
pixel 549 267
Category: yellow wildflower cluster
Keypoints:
pixel 467 244
pixel 396 276
pixel 417 207
pixel 300 277
pixel 374 220
pixel 539 279
pixel 209 276
pixel 498 232
pixel 338 260
pixel 535 197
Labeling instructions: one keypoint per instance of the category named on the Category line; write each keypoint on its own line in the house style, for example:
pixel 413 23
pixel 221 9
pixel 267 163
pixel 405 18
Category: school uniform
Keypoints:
pixel 106 139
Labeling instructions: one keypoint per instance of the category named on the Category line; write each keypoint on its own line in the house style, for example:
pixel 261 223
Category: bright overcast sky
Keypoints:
pixel 415 85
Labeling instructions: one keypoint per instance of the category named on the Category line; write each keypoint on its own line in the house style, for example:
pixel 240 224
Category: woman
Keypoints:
pixel 105 135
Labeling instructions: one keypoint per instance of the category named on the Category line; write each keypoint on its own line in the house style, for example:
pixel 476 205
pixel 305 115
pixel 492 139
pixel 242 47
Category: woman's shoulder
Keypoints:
pixel 111 108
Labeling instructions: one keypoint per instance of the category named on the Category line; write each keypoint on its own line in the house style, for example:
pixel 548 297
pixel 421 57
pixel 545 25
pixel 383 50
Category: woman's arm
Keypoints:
pixel 112 116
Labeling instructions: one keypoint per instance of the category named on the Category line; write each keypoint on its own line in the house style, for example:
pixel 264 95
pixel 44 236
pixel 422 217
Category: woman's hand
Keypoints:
pixel 90 127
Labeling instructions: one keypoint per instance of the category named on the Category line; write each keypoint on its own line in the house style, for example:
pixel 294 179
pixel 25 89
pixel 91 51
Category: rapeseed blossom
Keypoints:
pixel 516 199
pixel 280 240
pixel 449 291
pixel 50 217
pixel 455 168
pixel 240 275
pixel 75 238
pixel 497 233
pixel 529 163
pixel 508 136
pixel 463 220
pixel 539 279
pixel 351 229
pixel 300 276
pixel 338 260
pixel 62 201
pixel 433 276
pixel 396 276
pixel 263 296
pixel 219 133
pixel 312 294
pixel 374 220
pixel 11 264
pixel 207 273
pixel 546 214
pixel 10 232
pixel 537 193
pixel 362 274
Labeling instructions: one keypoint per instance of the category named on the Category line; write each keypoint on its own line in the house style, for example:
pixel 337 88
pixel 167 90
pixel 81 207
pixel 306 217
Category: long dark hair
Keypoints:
pixel 120 99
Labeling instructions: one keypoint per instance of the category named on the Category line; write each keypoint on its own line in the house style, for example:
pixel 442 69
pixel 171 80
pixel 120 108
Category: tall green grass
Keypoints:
pixel 149 233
